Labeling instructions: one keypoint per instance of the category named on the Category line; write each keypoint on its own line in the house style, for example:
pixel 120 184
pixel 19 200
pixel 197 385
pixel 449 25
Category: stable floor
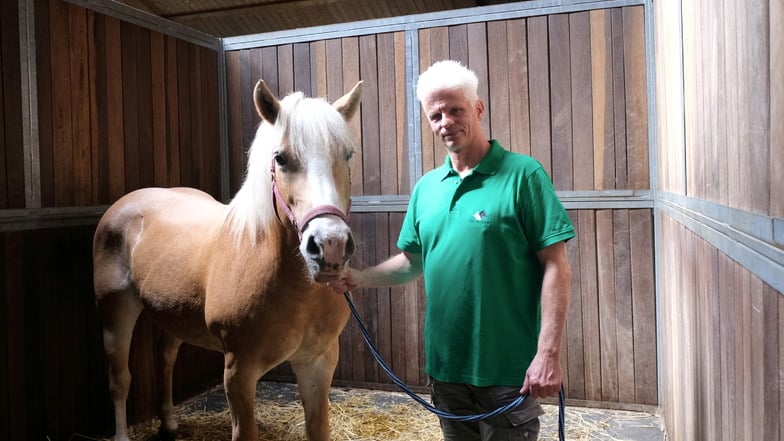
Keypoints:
pixel 365 415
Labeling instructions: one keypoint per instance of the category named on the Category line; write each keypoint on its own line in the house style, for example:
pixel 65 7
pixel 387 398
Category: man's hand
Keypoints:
pixel 543 377
pixel 346 281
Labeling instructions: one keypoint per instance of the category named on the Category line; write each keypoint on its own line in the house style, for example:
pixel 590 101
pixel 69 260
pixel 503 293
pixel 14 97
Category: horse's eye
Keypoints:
pixel 349 155
pixel 280 159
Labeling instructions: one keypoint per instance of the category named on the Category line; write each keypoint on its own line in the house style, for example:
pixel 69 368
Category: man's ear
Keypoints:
pixel 480 109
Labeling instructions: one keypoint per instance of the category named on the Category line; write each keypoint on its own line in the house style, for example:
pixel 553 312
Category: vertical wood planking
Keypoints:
pixel 12 191
pixel 285 70
pixel 478 62
pixel 401 124
pixel 607 305
pixel 158 102
pixel 575 358
pixel 173 112
pixel 624 318
pixel 382 310
pixel 318 72
pixel 61 107
pixel 351 75
pixel 539 87
pixel 235 128
pixel 128 34
pixel 387 168
pixel 776 28
pixel 619 100
pixel 757 105
pixel 184 103
pixel 80 105
pixel 602 100
pixel 590 299
pixel 636 97
pixel 144 78
pixel 519 102
pixel 302 68
pixel 581 98
pixel 369 72
pixel 643 306
pixel 43 64
pixel 561 103
pixel 498 109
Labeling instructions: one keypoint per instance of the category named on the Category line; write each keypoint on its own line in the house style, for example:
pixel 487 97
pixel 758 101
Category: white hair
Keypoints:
pixel 448 75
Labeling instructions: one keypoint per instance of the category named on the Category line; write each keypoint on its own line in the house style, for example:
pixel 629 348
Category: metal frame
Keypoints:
pixel 149 21
pixel 421 21
pixel 29 77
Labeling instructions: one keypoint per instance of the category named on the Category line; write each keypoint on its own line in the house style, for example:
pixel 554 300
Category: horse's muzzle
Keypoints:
pixel 326 246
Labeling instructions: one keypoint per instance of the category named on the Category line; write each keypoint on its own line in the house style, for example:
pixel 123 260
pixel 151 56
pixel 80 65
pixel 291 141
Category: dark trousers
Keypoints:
pixel 520 424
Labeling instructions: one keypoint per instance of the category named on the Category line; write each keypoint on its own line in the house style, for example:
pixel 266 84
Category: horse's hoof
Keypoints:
pixel 166 434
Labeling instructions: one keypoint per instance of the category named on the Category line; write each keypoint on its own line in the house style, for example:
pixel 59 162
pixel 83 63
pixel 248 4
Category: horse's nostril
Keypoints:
pixel 313 248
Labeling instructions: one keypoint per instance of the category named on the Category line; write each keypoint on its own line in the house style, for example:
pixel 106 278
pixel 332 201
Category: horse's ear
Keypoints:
pixel 349 103
pixel 267 106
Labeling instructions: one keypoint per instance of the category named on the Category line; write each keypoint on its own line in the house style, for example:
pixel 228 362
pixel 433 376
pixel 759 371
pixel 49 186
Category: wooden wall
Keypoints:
pixel 12 186
pixel 720 255
pixel 568 89
pixel 119 107
pixel 330 68
pixel 720 133
pixel 722 343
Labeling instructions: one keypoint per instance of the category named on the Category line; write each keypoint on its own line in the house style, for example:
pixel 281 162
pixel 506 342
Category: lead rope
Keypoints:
pixel 442 414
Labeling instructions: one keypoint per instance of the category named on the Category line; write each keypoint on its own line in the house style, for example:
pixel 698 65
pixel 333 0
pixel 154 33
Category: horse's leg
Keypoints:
pixel 239 380
pixel 170 347
pixel 314 376
pixel 119 312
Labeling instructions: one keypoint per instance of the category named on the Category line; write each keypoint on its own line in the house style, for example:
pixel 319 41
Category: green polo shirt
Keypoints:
pixel 478 237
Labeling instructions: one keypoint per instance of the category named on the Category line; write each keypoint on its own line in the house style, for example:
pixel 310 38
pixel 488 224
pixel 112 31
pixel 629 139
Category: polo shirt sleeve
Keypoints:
pixel 545 220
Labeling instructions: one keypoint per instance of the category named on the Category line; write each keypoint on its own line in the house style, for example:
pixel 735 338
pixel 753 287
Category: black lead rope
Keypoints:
pixel 440 413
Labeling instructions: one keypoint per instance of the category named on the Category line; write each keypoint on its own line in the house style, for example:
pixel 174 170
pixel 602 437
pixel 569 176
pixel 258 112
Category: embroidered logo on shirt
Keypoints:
pixel 480 215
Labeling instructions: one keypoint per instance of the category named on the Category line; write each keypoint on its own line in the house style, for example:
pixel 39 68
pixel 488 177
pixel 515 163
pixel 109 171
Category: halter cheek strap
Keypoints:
pixel 320 210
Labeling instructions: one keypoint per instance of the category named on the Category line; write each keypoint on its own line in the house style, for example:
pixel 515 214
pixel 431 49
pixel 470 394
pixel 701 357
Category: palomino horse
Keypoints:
pixel 239 278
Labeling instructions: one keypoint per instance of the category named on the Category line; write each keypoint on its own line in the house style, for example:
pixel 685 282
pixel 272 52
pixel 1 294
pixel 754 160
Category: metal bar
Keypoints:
pixel 150 21
pixel 223 130
pixel 420 21
pixel 39 218
pixel 571 200
pixel 29 85
pixel 758 257
pixel 412 109
pixel 755 225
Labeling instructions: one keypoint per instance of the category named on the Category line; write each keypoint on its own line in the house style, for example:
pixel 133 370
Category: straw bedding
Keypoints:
pixel 362 415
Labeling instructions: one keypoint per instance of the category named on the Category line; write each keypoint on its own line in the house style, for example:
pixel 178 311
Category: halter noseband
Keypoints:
pixel 320 210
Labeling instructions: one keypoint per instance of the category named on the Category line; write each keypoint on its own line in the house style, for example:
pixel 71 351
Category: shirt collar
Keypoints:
pixel 487 166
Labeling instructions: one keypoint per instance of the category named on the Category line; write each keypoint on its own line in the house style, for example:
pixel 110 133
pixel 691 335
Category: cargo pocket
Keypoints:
pixel 524 413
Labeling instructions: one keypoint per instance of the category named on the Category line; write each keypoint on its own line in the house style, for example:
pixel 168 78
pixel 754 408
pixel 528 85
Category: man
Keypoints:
pixel 488 233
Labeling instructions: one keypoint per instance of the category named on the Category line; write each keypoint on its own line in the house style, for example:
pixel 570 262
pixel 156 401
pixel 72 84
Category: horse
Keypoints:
pixel 239 278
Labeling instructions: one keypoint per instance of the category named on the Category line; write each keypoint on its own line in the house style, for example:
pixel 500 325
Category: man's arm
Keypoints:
pixel 543 377
pixel 396 270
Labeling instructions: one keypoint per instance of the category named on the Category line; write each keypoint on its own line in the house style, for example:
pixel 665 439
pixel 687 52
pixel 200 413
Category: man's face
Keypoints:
pixel 453 119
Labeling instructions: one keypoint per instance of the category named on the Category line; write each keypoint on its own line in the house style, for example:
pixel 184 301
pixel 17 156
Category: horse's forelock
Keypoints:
pixel 315 124
pixel 312 128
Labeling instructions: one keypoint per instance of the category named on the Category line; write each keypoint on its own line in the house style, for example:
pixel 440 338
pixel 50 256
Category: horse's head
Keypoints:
pixel 309 164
